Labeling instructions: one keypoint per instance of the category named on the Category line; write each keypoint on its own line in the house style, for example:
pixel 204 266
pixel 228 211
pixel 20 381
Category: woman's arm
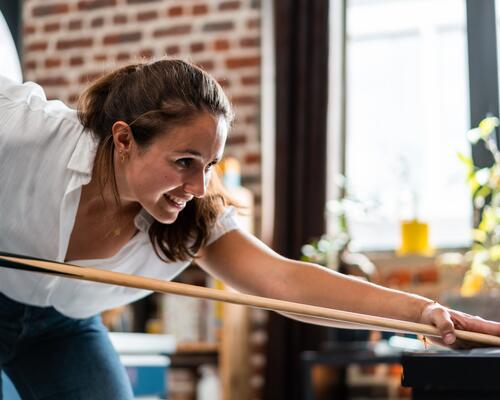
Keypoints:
pixel 248 265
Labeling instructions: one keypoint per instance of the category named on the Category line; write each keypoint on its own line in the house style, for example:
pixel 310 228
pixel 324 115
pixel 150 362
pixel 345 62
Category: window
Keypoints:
pixel 407 113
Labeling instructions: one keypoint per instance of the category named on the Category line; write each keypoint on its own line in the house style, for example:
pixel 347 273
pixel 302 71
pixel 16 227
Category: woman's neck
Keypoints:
pixel 102 200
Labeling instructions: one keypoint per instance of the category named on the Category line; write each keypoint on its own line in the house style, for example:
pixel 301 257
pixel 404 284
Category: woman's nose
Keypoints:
pixel 196 184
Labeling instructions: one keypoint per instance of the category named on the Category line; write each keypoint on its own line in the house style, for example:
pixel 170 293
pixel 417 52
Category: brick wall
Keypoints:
pixel 68 43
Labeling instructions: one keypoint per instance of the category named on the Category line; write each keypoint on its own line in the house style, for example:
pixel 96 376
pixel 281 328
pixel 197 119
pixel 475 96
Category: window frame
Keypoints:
pixel 483 70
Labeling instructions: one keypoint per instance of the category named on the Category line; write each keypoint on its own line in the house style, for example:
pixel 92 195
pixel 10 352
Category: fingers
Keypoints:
pixel 442 321
pixel 438 316
pixel 474 323
pixel 446 321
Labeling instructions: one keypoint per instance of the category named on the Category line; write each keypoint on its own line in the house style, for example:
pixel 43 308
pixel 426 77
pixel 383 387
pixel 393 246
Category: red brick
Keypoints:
pixel 94 4
pixel 75 25
pixel 100 57
pixel 236 139
pixel 172 50
pixel 221 44
pixel 52 81
pixel 252 158
pixel 37 46
pixel 75 61
pixel 250 42
pixel 41 11
pixel 30 65
pixel 224 82
pixel 89 77
pixel 251 119
pixel 200 9
pixel 52 27
pixel 122 38
pixel 120 19
pixel 172 31
pixel 29 29
pixel 253 23
pixel 147 15
pixel 52 62
pixel 244 100
pixel 250 80
pixel 207 65
pixel 97 22
pixel 74 43
pixel 218 26
pixel 122 56
pixel 197 47
pixel 229 5
pixel 141 1
pixel 146 53
pixel 175 11
pixel 241 62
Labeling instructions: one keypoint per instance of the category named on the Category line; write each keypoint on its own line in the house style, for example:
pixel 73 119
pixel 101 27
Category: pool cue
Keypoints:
pixel 371 322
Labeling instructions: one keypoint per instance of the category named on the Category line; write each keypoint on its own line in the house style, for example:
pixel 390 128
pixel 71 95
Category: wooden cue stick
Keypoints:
pixel 156 285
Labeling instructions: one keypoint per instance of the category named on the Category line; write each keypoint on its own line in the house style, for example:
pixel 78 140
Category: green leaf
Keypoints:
pixel 487 125
pixel 466 160
pixel 488 222
pixel 479 235
pixel 495 253
pixel 483 192
pixel 473 183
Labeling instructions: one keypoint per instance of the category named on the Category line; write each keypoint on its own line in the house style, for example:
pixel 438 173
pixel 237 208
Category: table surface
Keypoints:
pixel 469 370
pixel 346 354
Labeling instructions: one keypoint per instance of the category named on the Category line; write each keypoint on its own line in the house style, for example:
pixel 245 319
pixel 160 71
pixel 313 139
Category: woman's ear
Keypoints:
pixel 122 136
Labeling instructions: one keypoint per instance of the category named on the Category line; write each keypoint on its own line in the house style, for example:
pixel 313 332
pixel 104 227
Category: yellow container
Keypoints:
pixel 415 238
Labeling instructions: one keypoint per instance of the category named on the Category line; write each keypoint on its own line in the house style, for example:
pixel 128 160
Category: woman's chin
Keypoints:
pixel 166 217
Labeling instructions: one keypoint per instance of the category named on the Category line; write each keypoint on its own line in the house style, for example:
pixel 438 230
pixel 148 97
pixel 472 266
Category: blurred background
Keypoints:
pixel 365 140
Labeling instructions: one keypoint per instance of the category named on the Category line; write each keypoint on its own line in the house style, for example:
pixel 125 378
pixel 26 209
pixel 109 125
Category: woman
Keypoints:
pixel 128 186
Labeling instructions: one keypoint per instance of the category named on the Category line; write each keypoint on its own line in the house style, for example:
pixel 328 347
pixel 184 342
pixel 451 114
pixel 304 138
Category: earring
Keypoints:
pixel 122 156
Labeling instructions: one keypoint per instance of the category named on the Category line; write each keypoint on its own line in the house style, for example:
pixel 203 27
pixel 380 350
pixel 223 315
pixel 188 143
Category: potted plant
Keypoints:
pixel 479 293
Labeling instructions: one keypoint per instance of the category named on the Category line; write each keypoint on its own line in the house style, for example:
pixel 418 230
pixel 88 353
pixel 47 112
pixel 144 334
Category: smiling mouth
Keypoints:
pixel 175 202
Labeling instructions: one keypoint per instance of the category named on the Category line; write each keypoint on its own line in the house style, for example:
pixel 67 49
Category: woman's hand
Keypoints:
pixel 447 320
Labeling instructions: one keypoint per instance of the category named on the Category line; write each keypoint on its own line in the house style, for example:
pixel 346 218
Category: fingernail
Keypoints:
pixel 449 338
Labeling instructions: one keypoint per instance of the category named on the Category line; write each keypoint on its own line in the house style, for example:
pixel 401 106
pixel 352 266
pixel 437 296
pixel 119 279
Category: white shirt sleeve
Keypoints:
pixel 227 221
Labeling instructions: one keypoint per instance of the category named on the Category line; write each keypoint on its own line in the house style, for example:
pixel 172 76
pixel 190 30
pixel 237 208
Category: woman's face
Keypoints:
pixel 173 169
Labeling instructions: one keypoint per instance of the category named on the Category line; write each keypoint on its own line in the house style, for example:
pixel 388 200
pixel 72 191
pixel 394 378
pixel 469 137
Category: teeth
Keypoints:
pixel 177 201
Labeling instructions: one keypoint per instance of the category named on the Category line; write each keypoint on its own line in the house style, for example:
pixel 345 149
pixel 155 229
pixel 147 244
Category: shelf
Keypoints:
pixel 197 347
pixel 192 355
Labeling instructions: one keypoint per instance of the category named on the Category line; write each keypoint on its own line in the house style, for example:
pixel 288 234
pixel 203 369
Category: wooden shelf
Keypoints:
pixel 197 347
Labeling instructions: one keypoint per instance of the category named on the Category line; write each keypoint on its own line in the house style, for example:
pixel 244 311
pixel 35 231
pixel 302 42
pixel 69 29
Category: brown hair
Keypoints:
pixel 153 98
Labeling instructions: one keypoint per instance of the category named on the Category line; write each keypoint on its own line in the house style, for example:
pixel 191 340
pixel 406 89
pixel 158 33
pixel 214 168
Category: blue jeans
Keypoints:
pixel 50 356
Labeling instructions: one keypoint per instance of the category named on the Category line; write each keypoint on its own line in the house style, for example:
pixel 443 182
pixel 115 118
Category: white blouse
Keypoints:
pixel 45 159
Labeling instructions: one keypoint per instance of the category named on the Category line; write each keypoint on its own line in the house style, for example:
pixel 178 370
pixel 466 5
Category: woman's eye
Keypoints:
pixel 209 166
pixel 184 162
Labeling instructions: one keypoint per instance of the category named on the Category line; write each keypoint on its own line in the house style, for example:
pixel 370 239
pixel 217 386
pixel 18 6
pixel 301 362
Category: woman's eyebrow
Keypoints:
pixel 196 154
pixel 189 151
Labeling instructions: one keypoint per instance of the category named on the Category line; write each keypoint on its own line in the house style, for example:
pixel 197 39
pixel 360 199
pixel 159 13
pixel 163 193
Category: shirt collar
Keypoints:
pixel 82 159
pixel 143 220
